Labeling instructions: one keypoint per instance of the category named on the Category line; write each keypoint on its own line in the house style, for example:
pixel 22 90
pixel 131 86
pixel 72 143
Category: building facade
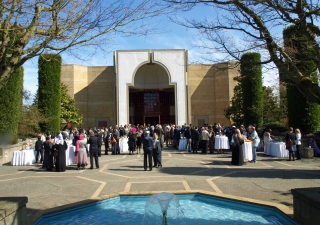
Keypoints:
pixel 151 87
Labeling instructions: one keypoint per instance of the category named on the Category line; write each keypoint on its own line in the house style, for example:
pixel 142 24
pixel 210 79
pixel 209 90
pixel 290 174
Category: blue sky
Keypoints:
pixel 175 37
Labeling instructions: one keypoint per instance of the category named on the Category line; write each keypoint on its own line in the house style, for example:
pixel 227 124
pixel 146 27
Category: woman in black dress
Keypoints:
pixel 48 155
pixel 60 147
pixel 138 136
pixel 131 142
pixel 237 151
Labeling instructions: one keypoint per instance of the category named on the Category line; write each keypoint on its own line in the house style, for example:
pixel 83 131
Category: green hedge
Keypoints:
pixel 49 91
pixel 302 113
pixel 10 107
pixel 251 81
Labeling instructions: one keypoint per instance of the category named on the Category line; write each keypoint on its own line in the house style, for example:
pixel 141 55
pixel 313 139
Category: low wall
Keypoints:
pixel 13 210
pixel 6 151
pixel 306 205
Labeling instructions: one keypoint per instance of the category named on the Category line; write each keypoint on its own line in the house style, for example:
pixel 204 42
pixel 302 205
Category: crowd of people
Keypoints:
pixel 51 148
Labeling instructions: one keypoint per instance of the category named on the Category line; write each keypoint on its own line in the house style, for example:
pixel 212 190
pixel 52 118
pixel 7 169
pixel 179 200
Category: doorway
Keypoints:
pixel 154 120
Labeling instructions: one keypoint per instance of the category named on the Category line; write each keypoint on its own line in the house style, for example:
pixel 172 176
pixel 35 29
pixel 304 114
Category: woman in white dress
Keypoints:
pixel 298 143
pixel 266 141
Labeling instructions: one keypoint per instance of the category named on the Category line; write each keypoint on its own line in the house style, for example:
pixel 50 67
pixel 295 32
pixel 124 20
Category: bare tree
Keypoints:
pixel 257 25
pixel 31 27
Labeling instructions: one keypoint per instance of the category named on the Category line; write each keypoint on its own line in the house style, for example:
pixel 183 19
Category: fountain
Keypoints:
pixel 168 205
pixel 165 208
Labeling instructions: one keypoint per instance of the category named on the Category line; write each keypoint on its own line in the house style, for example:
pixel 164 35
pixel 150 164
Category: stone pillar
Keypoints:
pixel 13 210
pixel 306 205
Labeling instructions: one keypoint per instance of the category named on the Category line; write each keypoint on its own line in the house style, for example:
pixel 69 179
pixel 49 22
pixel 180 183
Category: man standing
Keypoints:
pixel 157 149
pixel 106 141
pixel 95 144
pixel 195 135
pixel 204 140
pixel 187 134
pixel 147 148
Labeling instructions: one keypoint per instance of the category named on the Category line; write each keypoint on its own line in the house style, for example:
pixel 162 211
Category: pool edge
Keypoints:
pixel 282 208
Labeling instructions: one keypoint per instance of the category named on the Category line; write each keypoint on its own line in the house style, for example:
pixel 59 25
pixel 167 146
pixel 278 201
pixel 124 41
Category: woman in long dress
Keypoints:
pixel 131 142
pixel 48 155
pixel 237 151
pixel 266 141
pixel 60 147
pixel 82 153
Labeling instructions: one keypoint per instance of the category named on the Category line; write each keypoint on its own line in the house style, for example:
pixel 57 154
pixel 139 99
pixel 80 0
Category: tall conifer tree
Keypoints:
pixel 49 101
pixel 302 113
pixel 251 82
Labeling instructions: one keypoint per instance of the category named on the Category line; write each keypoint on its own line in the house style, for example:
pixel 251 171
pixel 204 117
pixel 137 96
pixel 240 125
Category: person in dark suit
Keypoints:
pixel 95 144
pixel 39 149
pixel 195 135
pixel 147 148
pixel 187 134
pixel 157 150
pixel 98 133
pixel 106 141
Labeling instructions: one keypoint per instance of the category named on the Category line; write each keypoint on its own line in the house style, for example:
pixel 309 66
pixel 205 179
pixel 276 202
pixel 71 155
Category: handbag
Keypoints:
pixel 113 141
pixel 288 143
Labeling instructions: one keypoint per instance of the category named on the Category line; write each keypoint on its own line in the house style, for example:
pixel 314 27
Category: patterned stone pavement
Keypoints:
pixel 270 179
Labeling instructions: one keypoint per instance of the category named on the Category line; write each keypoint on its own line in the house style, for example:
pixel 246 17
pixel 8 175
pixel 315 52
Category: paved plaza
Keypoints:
pixel 270 179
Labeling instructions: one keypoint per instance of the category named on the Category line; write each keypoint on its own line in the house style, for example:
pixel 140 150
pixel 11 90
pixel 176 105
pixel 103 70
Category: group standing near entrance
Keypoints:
pixel 152 139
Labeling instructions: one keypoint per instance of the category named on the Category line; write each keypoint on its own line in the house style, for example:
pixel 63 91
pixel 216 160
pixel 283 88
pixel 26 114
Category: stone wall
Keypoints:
pixel 93 88
pixel 210 91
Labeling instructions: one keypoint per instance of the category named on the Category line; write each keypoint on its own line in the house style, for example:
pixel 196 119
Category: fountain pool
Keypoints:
pixel 197 209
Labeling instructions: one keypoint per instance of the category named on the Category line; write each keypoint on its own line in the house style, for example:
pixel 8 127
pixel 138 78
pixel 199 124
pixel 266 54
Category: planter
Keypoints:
pixel 307 153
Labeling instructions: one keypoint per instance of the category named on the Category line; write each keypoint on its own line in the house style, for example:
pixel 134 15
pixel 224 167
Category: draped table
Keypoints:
pixel 182 144
pixel 23 157
pixel 247 150
pixel 221 142
pixel 278 149
pixel 123 144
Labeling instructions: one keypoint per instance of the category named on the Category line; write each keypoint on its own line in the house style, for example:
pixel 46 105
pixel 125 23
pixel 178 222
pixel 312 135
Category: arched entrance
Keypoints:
pixel 151 98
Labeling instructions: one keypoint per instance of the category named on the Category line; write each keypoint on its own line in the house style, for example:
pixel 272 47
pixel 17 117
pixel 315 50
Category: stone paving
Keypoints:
pixel 270 179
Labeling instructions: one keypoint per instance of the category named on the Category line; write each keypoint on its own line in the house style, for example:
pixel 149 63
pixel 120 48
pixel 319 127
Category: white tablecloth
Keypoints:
pixel 278 149
pixel 123 144
pixel 182 144
pixel 70 157
pixel 221 142
pixel 247 150
pixel 23 158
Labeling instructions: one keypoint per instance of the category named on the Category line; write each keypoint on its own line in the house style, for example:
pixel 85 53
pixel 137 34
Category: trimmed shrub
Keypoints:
pixel 251 81
pixel 49 101
pixel 302 113
pixel 10 105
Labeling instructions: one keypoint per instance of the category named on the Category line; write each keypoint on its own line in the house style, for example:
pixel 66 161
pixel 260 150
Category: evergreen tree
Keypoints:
pixel 69 111
pixel 235 110
pixel 302 113
pixel 251 84
pixel 10 107
pixel 49 99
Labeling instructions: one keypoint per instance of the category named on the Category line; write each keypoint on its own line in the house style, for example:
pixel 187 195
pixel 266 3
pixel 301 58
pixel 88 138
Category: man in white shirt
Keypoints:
pixel 204 140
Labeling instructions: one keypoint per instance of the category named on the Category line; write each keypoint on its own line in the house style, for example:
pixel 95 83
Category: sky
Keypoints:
pixel 174 37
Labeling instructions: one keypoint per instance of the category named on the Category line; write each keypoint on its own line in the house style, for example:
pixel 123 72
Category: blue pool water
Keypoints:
pixel 198 209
